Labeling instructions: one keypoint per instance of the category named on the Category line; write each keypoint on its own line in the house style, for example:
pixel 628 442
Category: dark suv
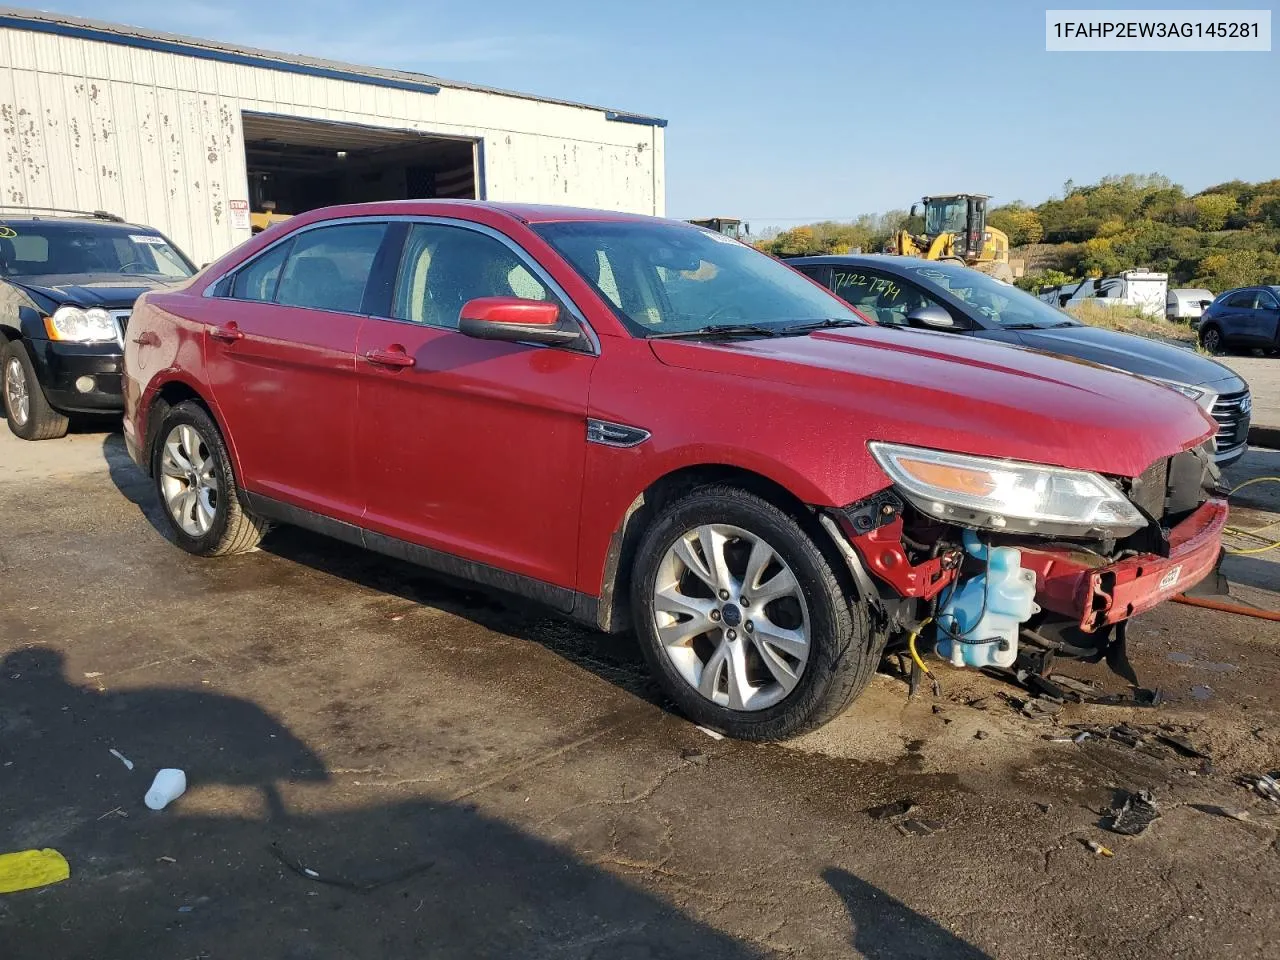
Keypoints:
pixel 67 286
pixel 1245 317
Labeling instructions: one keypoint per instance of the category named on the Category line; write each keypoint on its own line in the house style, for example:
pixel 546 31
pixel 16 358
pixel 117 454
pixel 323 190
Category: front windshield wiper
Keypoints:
pixel 824 324
pixel 718 330
pixel 1036 326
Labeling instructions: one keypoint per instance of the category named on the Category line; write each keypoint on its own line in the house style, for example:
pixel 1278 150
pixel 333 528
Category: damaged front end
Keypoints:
pixel 982 555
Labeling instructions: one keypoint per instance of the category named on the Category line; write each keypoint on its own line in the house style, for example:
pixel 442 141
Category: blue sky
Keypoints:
pixel 786 113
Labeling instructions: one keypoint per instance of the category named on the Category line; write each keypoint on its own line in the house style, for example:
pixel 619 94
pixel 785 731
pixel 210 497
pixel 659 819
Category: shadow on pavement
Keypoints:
pixel 885 928
pixel 616 659
pixel 416 878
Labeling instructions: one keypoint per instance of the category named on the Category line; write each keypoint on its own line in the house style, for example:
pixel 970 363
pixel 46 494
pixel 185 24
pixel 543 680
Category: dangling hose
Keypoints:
pixel 1240 532
pixel 915 656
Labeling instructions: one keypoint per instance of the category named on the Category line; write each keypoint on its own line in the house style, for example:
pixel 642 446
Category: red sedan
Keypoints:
pixel 645 424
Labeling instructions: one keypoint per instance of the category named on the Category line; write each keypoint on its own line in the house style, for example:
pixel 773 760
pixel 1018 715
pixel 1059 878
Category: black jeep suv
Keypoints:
pixel 67 285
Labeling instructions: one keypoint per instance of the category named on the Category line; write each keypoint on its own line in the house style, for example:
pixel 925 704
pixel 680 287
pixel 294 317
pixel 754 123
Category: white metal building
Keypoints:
pixel 189 135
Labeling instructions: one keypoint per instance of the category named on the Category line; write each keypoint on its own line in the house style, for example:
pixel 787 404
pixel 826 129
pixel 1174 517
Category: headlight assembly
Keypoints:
pixel 1203 396
pixel 1006 494
pixel 78 325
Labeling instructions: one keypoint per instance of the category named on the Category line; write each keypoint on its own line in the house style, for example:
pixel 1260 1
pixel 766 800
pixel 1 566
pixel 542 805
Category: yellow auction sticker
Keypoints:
pixel 7 233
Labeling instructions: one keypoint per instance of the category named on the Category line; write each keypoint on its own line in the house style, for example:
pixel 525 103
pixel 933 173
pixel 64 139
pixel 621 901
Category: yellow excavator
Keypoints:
pixel 956 230
pixel 729 226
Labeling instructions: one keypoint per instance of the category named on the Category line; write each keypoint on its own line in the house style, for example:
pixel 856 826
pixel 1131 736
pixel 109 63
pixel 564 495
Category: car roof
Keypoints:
pixel 878 260
pixel 524 212
pixel 80 219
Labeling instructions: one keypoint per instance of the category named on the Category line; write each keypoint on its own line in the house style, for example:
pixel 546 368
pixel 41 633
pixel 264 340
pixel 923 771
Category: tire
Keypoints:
pixel 1212 340
pixel 25 407
pixel 842 648
pixel 197 487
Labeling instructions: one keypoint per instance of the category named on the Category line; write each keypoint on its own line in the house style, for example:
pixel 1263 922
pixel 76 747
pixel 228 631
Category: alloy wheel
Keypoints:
pixel 731 617
pixel 1212 340
pixel 17 394
pixel 188 481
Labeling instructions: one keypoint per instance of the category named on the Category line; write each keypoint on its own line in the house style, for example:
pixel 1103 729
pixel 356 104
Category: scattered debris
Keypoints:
pixel 359 887
pixel 1097 848
pixel 128 764
pixel 28 869
pixel 696 757
pixel 1082 687
pixel 918 828
pixel 713 734
pixel 1081 737
pixel 165 860
pixel 185 909
pixel 168 785
pixel 1182 745
pixel 981 735
pixel 899 808
pixel 1264 785
pixel 1137 697
pixel 1041 710
pixel 93 675
pixel 117 812
pixel 1135 814
pixel 1217 811
pixel 1045 807
pixel 1201 691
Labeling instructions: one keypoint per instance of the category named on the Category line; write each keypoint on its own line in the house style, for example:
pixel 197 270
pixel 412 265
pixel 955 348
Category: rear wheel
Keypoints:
pixel 1211 339
pixel 743 619
pixel 197 487
pixel 26 409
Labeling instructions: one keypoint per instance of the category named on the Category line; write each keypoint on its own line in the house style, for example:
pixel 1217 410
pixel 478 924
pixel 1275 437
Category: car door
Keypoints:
pixel 466 446
pixel 1266 314
pixel 1237 318
pixel 280 351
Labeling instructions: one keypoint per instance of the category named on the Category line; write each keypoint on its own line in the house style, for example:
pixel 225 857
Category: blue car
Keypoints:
pixel 909 293
pixel 1246 317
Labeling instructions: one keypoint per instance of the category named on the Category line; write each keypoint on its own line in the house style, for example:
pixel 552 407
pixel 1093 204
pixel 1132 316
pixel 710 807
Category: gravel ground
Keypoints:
pixel 468 777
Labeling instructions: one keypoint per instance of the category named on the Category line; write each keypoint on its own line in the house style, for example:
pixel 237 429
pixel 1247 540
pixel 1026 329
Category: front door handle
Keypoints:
pixel 147 339
pixel 228 334
pixel 390 358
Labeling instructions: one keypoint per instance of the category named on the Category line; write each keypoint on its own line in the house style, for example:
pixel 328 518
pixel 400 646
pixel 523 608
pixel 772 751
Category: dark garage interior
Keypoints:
pixel 295 165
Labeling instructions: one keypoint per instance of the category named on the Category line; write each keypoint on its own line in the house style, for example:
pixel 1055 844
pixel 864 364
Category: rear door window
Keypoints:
pixel 328 268
pixel 1266 301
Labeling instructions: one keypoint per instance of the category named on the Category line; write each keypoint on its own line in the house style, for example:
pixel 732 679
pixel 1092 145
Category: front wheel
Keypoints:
pixel 25 406
pixel 743 619
pixel 197 487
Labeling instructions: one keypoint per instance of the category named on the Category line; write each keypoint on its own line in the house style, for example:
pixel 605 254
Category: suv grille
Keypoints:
pixel 1231 410
pixel 121 317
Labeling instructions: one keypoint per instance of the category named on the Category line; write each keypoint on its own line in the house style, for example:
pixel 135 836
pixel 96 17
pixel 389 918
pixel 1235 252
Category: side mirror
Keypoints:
pixel 516 321
pixel 931 316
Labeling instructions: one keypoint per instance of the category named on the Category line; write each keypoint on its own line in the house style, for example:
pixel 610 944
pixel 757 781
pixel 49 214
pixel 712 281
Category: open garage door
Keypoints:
pixel 295 165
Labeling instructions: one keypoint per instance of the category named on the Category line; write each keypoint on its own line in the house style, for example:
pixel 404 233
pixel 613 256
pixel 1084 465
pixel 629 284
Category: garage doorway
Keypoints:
pixel 295 165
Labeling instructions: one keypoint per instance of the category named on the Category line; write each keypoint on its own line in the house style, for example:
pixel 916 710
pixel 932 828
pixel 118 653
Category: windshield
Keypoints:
pixel 663 278
pixel 946 216
pixel 41 248
pixel 1001 302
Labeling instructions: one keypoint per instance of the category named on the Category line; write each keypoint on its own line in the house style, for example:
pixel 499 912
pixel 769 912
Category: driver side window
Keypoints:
pixel 443 267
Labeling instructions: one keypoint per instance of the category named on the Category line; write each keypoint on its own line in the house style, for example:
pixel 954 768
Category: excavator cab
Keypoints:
pixel 964 216
pixel 729 226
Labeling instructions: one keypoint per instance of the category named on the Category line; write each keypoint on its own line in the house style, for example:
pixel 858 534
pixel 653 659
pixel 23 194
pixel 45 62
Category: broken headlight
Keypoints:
pixel 1006 494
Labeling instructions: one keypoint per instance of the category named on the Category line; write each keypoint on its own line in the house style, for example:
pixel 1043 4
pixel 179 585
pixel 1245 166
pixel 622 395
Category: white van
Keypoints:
pixel 1143 289
pixel 1187 303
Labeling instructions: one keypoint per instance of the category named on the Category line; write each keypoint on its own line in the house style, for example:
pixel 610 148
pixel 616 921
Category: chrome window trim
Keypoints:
pixel 533 266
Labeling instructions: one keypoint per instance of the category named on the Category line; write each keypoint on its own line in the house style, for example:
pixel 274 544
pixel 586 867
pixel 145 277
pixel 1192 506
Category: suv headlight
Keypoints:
pixel 1006 494
pixel 1203 396
pixel 78 325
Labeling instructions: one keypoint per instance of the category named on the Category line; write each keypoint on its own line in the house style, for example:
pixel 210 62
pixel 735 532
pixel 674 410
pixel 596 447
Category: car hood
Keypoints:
pixel 109 290
pixel 1134 354
pixel 962 394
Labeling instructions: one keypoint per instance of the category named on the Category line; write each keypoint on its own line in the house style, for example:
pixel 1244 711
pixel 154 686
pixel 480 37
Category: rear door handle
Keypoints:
pixel 390 358
pixel 228 334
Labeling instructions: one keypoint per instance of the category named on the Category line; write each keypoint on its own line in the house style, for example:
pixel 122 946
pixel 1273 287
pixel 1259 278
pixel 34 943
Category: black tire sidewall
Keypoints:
pixel 837 633
pixel 195 416
pixel 36 403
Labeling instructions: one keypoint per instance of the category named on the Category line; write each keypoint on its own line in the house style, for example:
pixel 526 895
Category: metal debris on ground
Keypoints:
pixel 357 886
pixel 1219 811
pixel 1137 697
pixel 1098 848
pixel 713 734
pixel 1134 815
pixel 899 808
pixel 1182 745
pixel 128 764
pixel 1264 785
pixel 918 828
pixel 1072 685
pixel 1040 710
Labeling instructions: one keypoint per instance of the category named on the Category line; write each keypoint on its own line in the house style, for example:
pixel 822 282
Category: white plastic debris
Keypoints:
pixel 168 785
pixel 128 764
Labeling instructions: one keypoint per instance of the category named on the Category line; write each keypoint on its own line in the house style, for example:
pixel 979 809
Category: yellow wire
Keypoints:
pixel 911 644
pixel 1240 532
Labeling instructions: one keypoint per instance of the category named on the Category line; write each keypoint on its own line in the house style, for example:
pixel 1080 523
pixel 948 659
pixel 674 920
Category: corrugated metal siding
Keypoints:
pixel 156 137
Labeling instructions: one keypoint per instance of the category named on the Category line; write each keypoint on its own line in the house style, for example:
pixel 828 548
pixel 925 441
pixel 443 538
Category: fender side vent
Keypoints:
pixel 615 434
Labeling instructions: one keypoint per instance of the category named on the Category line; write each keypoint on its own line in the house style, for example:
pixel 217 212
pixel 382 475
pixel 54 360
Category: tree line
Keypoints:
pixel 1225 236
